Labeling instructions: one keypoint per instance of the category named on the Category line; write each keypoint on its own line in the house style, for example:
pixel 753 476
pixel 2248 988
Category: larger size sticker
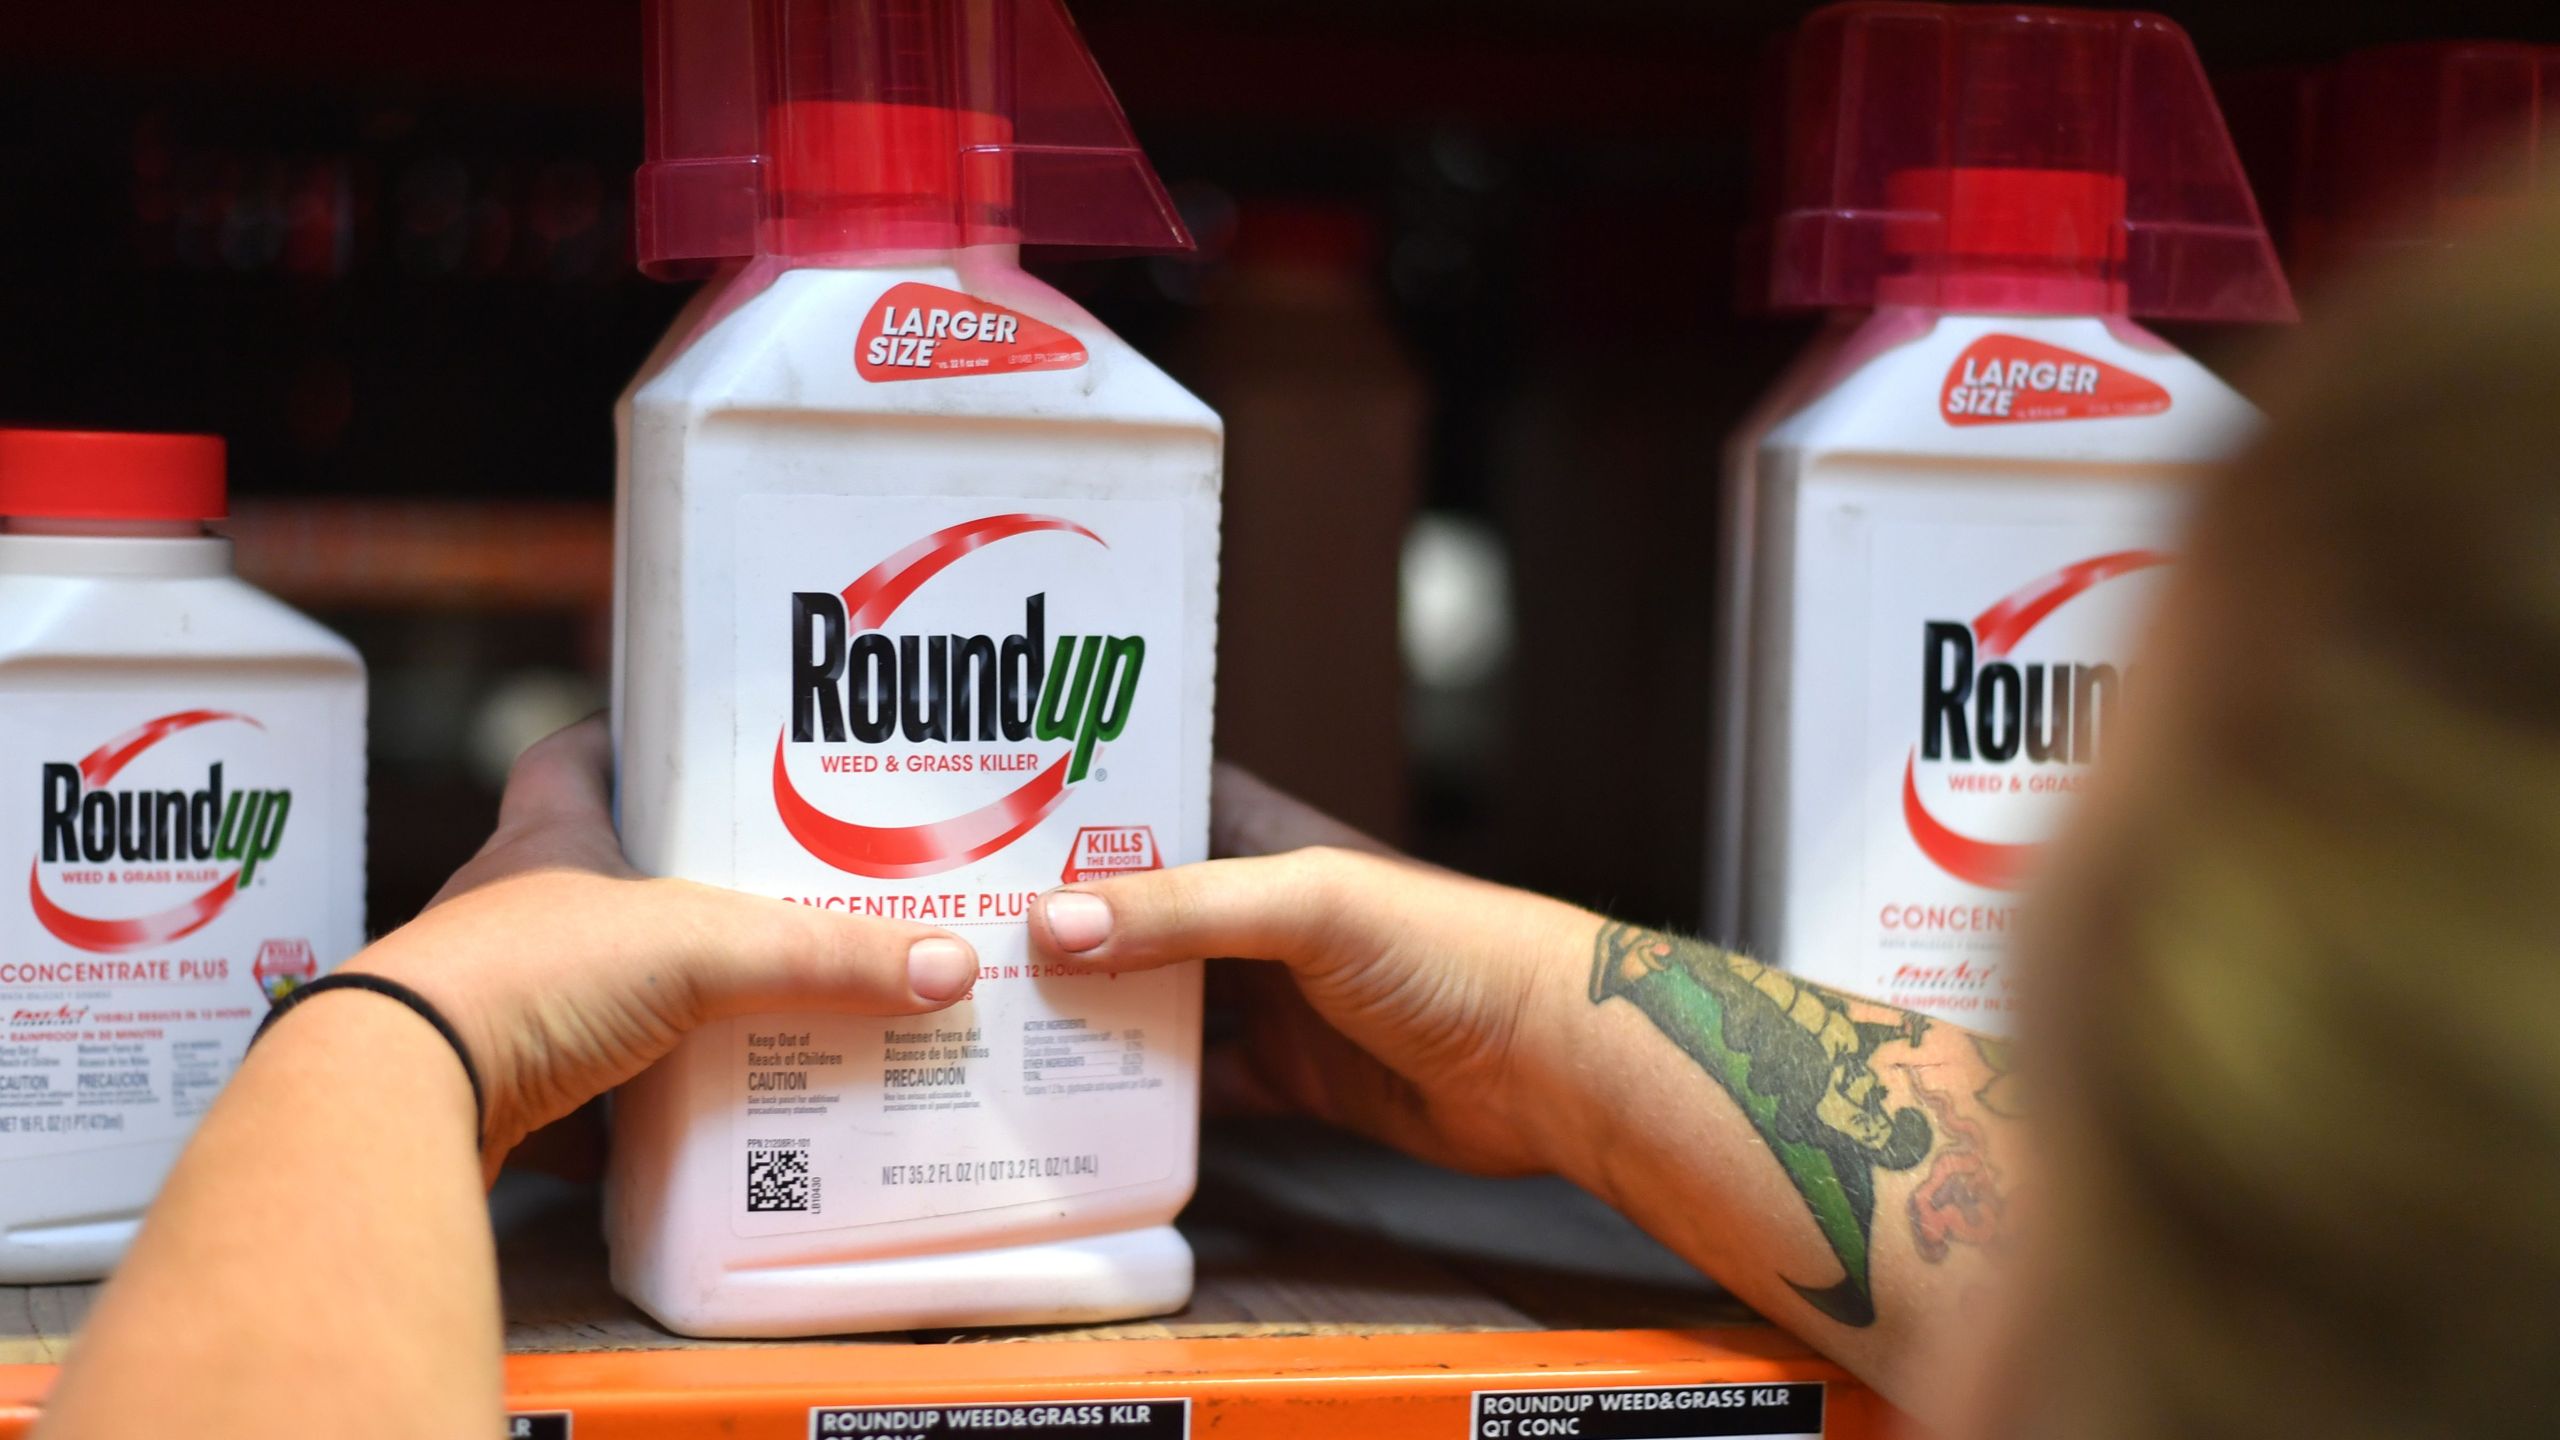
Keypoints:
pixel 924 332
pixel 2009 379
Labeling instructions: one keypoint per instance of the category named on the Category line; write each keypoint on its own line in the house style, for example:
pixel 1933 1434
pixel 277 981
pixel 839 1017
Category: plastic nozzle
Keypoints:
pixel 2014 160
pixel 835 130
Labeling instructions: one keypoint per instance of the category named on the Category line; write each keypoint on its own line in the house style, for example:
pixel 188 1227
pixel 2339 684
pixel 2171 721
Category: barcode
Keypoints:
pixel 779 1179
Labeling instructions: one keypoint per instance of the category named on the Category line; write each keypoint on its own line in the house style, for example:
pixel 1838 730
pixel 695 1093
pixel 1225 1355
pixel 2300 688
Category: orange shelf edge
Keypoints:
pixel 1340 1387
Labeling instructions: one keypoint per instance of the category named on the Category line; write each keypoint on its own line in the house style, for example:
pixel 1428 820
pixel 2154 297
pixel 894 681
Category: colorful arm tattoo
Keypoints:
pixel 1801 1069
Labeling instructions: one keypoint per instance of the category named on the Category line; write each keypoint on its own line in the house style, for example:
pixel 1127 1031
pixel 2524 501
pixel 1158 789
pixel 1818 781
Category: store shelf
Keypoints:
pixel 1343 1292
pixel 427 555
pixel 1337 1387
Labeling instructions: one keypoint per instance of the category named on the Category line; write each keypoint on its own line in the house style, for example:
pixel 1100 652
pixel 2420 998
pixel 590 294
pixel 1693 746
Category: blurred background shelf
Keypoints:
pixel 1464 291
pixel 430 555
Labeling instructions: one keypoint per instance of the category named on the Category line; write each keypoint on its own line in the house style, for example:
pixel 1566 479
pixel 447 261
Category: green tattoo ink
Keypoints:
pixel 1799 1067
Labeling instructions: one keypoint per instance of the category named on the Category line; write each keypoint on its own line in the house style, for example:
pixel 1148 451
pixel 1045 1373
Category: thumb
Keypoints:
pixel 742 954
pixel 1292 908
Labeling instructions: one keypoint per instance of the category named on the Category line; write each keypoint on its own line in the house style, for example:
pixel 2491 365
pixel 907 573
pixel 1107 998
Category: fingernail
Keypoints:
pixel 940 968
pixel 1077 921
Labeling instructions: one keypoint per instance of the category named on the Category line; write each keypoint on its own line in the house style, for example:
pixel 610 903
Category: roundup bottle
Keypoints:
pixel 918 583
pixel 1958 527
pixel 182 768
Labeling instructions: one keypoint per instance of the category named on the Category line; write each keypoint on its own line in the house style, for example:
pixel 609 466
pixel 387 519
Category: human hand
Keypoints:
pixel 1412 996
pixel 567 972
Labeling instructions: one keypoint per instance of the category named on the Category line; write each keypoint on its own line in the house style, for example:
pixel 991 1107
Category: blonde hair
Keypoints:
pixel 2300 1000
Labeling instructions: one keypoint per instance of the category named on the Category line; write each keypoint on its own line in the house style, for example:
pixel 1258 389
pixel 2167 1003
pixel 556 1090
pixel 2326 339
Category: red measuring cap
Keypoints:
pixel 111 475
pixel 835 130
pixel 2034 161
pixel 2418 145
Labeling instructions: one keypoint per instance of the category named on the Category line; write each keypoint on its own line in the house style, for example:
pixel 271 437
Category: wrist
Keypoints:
pixel 1554 1083
pixel 386 1046
pixel 481 1055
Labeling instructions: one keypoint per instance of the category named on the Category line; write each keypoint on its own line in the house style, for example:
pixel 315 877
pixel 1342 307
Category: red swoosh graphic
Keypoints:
pixel 871 600
pixel 108 937
pixel 900 852
pixel 2002 626
pixel 102 763
pixel 1986 863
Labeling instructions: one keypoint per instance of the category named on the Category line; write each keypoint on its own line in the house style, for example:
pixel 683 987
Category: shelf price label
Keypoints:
pixel 1650 1412
pixel 538 1425
pixel 1009 1420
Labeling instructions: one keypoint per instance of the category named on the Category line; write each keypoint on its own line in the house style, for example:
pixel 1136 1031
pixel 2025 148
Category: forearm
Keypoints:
pixel 1843 1166
pixel 318 1263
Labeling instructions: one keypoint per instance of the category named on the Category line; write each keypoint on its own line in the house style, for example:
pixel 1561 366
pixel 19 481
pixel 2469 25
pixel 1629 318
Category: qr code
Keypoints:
pixel 779 1179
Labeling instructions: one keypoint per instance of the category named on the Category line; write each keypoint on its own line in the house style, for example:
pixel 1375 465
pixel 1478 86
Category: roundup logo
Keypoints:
pixel 855 680
pixel 84 822
pixel 1982 707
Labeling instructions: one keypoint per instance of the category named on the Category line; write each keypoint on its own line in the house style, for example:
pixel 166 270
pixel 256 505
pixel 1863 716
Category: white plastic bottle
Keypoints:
pixel 1730 661
pixel 918 582
pixel 1960 528
pixel 182 759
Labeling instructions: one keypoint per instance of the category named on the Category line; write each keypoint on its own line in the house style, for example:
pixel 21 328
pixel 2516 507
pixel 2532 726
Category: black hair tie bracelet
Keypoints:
pixel 394 990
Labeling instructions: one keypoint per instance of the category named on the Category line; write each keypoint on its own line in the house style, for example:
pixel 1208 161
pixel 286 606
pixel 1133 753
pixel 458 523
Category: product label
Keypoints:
pixel 945 704
pixel 177 884
pixel 2009 379
pixel 1046 1419
pixel 1652 1412
pixel 539 1425
pixel 924 332
pixel 1998 673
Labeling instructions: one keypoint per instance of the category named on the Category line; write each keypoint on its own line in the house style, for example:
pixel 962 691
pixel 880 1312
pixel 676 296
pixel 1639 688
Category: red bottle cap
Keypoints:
pixel 111 475
pixel 2419 145
pixel 839 129
pixel 2025 161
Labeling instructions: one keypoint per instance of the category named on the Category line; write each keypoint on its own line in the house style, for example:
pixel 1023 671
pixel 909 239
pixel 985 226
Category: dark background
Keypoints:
pixel 384 249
